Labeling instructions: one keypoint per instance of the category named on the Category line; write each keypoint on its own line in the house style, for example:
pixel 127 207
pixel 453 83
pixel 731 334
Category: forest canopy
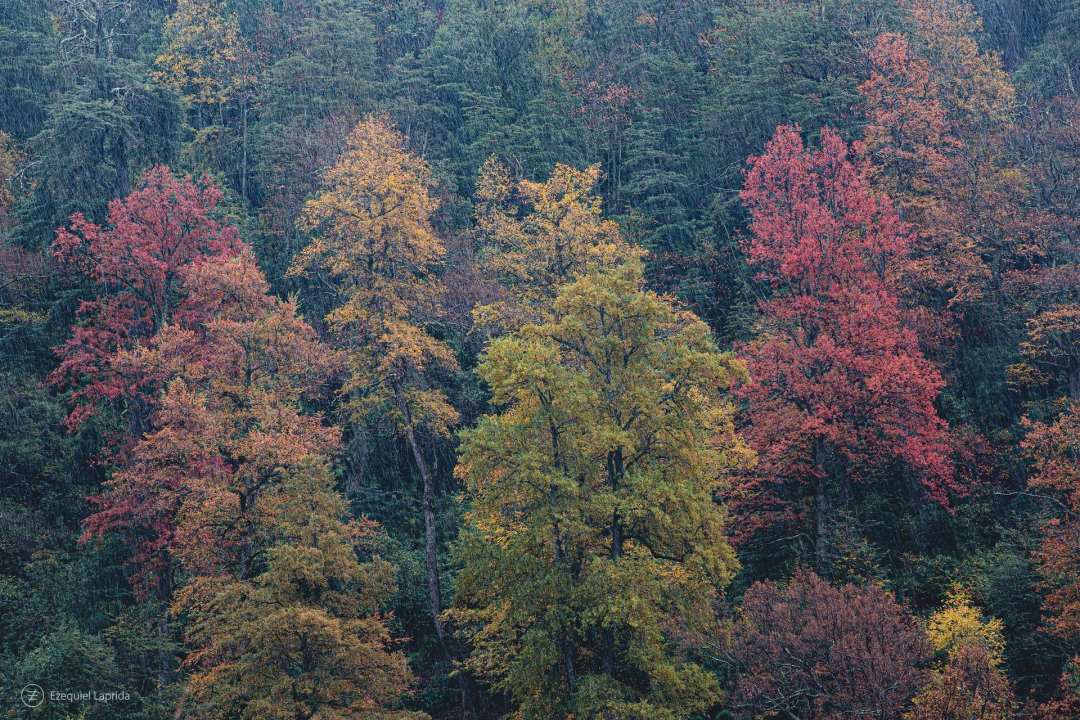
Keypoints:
pixel 614 359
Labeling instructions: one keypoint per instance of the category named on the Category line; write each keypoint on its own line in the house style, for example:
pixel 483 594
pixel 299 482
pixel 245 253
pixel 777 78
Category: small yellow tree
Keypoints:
pixel 373 236
pixel 970 684
pixel 205 58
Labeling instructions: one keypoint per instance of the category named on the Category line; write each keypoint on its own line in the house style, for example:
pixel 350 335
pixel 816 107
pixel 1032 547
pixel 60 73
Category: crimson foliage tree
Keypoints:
pixel 840 391
pixel 139 261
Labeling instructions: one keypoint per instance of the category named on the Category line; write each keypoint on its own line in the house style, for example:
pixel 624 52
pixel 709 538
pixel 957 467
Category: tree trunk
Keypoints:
pixel 164 594
pixel 430 559
pixel 821 511
pixel 122 188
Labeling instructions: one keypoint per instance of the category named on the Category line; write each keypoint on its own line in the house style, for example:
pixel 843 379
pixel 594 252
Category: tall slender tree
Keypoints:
pixel 373 236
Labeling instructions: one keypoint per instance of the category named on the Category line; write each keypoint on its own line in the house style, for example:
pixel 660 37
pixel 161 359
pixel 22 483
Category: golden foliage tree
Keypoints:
pixel 969 684
pixel 303 638
pixel 205 57
pixel 208 61
pixel 373 237
pixel 557 234
pixel 594 531
pixel 975 88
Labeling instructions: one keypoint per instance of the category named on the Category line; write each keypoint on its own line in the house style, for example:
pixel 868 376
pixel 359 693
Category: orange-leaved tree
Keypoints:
pixel 937 108
pixel 229 496
pixel 1054 452
pixel 840 392
pixel 373 236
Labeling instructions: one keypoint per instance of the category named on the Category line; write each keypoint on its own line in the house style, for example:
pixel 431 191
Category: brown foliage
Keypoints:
pixel 969 687
pixel 810 650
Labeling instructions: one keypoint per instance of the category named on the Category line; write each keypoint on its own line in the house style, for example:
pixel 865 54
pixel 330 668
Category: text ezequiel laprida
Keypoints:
pixel 89 696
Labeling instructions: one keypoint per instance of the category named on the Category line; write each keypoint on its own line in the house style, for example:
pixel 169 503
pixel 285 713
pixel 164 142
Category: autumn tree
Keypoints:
pixel 208 61
pixel 937 107
pixel 230 494
pixel 303 638
pixel 593 528
pixel 969 683
pixel 809 650
pixel 143 501
pixel 557 234
pixel 140 262
pixel 840 392
pixel 1050 350
pixel 976 91
pixel 907 136
pixel 204 53
pixel 373 237
pixel 244 344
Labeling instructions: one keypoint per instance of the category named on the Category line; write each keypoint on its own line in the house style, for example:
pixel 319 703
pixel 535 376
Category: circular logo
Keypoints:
pixel 32 696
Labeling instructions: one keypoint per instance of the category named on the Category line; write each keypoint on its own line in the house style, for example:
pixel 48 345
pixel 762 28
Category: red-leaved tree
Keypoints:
pixel 227 426
pixel 250 352
pixel 840 391
pixel 139 261
pixel 814 651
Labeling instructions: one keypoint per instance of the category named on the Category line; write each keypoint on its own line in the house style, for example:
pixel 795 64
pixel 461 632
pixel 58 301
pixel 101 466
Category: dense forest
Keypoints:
pixel 540 359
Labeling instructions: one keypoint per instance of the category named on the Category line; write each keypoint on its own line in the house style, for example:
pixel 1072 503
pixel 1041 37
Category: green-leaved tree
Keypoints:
pixel 594 531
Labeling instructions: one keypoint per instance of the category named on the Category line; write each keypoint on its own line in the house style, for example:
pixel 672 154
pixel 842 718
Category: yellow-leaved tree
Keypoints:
pixel 373 237
pixel 557 234
pixel 207 60
pixel 594 531
pixel 969 683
